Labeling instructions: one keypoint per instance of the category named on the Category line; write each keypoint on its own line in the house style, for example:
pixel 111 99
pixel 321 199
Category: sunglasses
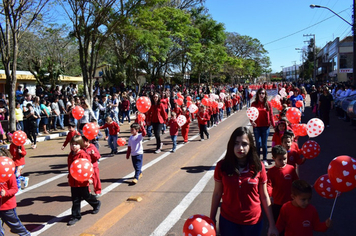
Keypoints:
pixel 262 93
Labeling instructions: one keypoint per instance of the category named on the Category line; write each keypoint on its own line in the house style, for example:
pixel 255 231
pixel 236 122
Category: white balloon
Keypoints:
pixel 252 113
pixel 181 120
pixel 315 127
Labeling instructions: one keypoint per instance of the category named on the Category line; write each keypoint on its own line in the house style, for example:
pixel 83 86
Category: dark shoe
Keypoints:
pixel 97 208
pixel 72 221
pixel 112 152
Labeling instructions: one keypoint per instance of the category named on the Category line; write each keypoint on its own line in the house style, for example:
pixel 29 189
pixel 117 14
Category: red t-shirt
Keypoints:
pixel 69 137
pixel 94 157
pixel 9 200
pixel 280 183
pixel 113 128
pixel 18 158
pixel 296 221
pixel 234 101
pixel 157 114
pixel 228 103
pixel 186 114
pixel 294 158
pixel 203 118
pixel 241 199
pixel 172 123
pixel 265 118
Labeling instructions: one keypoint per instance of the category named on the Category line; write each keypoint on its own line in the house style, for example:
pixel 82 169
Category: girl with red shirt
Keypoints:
pixel 241 183
pixel 156 117
pixel 263 122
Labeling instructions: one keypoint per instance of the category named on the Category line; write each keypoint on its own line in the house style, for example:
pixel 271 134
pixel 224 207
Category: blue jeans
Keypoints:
pixel 137 164
pixel 261 136
pixel 96 114
pixel 10 218
pixel 228 228
pixel 112 141
pixel 61 120
pixel 21 124
pixel 149 131
pixel 174 140
pixel 127 114
pixel 228 111
pixel 38 125
pixel 248 102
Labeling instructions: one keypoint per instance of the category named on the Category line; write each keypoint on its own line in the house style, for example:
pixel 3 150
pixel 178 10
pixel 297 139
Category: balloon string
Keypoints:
pixel 332 209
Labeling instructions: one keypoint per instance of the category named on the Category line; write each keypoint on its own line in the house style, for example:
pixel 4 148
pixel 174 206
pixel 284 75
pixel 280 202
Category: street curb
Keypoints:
pixel 41 138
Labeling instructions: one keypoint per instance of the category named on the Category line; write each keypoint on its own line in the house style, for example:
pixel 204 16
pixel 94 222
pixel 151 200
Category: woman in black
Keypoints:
pixel 31 127
pixel 326 103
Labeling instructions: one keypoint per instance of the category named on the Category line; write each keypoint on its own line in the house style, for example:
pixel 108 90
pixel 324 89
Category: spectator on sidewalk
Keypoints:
pixel 45 114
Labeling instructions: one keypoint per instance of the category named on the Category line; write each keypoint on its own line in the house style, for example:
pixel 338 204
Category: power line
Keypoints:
pixel 303 29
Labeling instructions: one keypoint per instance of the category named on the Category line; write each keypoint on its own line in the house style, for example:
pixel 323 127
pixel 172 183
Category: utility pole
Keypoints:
pixel 314 53
pixel 295 71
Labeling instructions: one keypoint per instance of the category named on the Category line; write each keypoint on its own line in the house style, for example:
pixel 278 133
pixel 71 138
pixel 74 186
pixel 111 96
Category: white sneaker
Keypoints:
pixel 161 146
pixel 158 151
pixel 25 182
pixel 265 163
pixel 151 138
pixel 18 192
pixel 201 140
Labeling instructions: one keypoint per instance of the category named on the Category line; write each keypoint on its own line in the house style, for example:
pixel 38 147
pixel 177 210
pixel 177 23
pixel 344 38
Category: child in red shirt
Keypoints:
pixel 18 156
pixel 94 154
pixel 228 105
pixel 72 132
pixel 298 217
pixel 203 118
pixel 173 130
pixel 8 204
pixel 79 190
pixel 185 127
pixel 280 179
pixel 293 154
pixel 279 130
pixel 114 129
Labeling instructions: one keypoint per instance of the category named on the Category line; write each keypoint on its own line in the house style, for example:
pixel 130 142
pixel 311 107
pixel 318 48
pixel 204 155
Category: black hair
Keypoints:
pixel 301 186
pixel 71 124
pixel 265 101
pixel 230 164
pixel 289 132
pixel 278 150
pixel 135 126
pixel 85 139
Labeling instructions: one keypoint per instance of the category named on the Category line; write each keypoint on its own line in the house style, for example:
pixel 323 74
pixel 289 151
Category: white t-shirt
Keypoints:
pixel 135 142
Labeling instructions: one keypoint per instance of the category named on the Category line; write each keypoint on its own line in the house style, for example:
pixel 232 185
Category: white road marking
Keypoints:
pixel 178 211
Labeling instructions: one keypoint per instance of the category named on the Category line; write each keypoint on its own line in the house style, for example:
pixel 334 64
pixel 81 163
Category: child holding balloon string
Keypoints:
pixel 299 217
pixel 18 153
pixel 114 129
pixel 79 190
pixel 72 132
pixel 8 210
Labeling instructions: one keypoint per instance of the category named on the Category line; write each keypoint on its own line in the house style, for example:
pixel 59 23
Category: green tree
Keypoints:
pixel 16 18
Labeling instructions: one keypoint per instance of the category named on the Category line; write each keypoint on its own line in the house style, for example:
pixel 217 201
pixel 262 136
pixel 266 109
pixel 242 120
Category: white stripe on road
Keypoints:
pixel 178 211
pixel 59 218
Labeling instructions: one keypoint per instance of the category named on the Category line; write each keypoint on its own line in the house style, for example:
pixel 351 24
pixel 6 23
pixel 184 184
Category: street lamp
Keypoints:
pixel 354 36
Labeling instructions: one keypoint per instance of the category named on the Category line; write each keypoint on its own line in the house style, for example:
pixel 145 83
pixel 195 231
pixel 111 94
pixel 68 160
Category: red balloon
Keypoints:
pixel 276 117
pixel 189 98
pixel 342 173
pixel 78 112
pixel 205 101
pixel 141 117
pixel 7 169
pixel 143 104
pixel 300 129
pixel 199 225
pixel 206 96
pixel 310 149
pixel 121 141
pixel 179 101
pixel 324 187
pixel 90 130
pixel 215 104
pixel 293 115
pixel 19 138
pixel 81 169
pixel 299 104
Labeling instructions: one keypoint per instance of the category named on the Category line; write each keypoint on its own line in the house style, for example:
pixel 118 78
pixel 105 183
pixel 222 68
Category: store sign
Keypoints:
pixel 346 70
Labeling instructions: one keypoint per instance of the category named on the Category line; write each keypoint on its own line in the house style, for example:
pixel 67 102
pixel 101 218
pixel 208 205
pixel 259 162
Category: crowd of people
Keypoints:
pixel 242 166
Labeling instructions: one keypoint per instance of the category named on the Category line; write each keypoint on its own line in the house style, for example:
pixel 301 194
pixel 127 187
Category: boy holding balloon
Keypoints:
pixel 298 217
pixel 79 187
pixel 114 129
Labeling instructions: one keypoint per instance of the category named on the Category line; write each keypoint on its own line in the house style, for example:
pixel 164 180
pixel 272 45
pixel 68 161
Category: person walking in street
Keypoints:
pixel 261 126
pixel 241 183
pixel 326 103
pixel 31 128
pixel 156 117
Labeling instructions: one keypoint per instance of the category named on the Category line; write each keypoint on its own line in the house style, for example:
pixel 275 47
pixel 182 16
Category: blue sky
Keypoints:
pixel 271 20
